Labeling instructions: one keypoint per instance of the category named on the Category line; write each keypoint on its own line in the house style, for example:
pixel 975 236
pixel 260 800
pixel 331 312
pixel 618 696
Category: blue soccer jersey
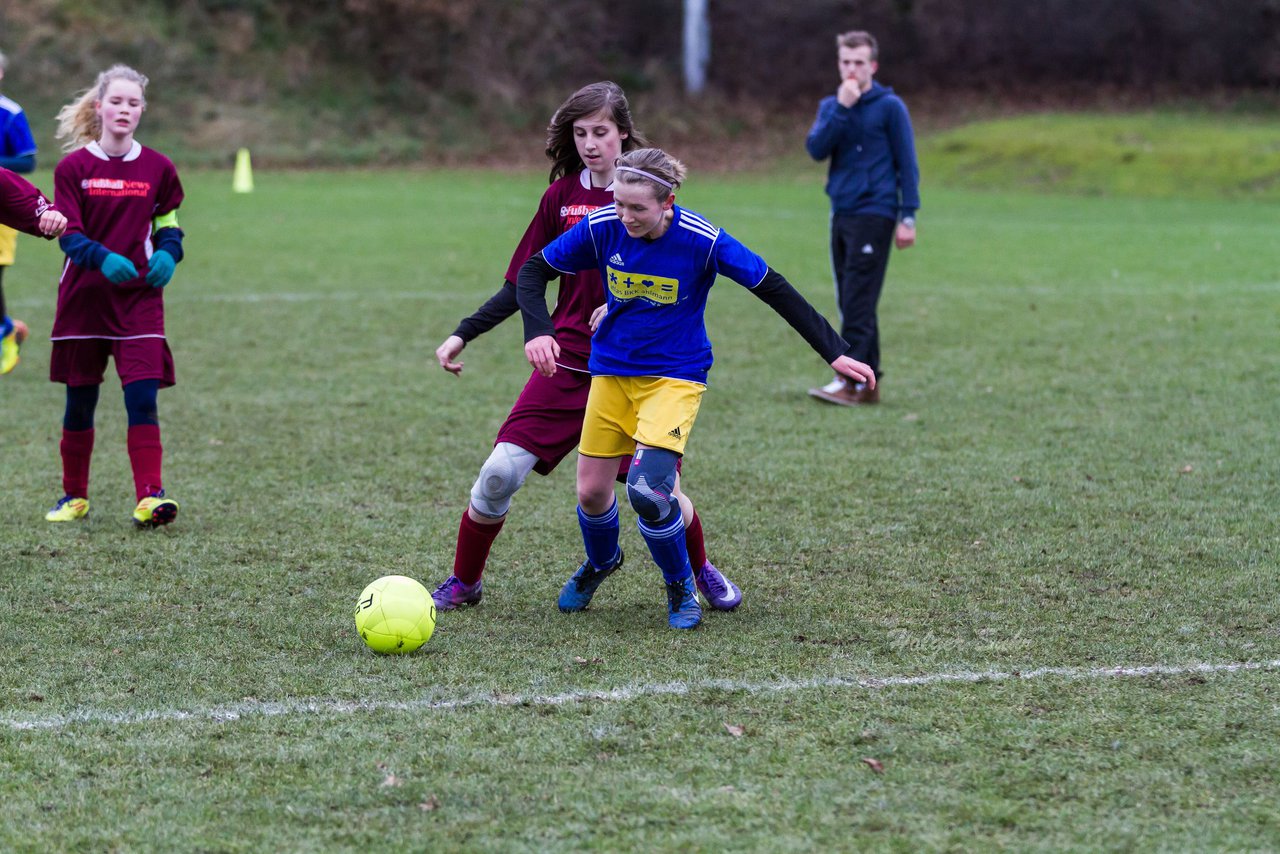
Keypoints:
pixel 656 290
pixel 15 132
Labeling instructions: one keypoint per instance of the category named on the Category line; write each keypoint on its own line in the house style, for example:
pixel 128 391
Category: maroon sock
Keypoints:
pixel 474 541
pixel 145 455
pixel 694 543
pixel 77 450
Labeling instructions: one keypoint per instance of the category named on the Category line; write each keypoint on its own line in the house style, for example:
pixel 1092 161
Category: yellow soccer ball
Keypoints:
pixel 395 615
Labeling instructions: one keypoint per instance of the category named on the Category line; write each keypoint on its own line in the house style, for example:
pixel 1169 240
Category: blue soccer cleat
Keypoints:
pixel 581 586
pixel 720 593
pixel 683 610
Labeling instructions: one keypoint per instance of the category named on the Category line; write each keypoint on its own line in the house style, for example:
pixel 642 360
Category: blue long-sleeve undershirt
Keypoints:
pixel 90 254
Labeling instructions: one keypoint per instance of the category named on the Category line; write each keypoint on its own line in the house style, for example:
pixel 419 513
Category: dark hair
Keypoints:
pixel 859 38
pixel 588 101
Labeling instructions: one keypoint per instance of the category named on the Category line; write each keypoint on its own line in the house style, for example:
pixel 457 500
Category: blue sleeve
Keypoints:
pixel 827 128
pixel 573 251
pixel 170 240
pixel 82 251
pixel 902 143
pixel 18 141
pixel 21 165
pixel 736 261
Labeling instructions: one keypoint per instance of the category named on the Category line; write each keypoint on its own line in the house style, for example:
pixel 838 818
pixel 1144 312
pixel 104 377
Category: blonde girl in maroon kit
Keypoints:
pixel 122 243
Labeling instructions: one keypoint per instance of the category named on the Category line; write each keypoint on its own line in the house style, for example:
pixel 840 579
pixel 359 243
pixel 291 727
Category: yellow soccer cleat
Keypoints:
pixel 154 511
pixel 14 333
pixel 68 509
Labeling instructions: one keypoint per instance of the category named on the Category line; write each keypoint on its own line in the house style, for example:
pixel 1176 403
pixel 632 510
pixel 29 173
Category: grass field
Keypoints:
pixel 1171 154
pixel 1037 585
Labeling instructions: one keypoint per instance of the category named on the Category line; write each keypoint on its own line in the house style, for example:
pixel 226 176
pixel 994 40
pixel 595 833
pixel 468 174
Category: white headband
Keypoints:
pixel 648 175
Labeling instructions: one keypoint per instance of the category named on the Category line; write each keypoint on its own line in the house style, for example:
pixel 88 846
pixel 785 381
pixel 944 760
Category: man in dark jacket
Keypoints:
pixel 873 183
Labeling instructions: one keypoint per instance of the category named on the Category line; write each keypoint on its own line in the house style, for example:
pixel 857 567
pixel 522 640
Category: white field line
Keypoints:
pixel 1196 290
pixel 319 706
pixel 31 302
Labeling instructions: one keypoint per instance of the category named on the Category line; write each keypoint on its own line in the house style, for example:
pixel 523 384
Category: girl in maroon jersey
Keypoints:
pixel 584 138
pixel 122 243
pixel 23 208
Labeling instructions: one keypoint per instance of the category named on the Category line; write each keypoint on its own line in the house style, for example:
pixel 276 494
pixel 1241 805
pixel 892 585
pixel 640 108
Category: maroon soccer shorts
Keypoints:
pixel 83 361
pixel 547 419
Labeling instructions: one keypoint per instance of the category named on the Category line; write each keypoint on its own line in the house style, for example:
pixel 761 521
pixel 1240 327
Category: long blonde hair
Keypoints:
pixel 78 121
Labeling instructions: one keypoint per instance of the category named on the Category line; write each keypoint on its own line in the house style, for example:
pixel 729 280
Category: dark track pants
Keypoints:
pixel 859 258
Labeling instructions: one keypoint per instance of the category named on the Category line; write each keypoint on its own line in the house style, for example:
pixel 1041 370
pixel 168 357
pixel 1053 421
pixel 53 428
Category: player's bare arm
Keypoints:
pixel 597 316
pixel 448 351
pixel 542 353
pixel 52 224
pixel 855 370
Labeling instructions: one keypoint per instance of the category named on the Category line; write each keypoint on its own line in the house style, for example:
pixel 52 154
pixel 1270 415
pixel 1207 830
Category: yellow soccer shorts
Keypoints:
pixel 654 411
pixel 8 243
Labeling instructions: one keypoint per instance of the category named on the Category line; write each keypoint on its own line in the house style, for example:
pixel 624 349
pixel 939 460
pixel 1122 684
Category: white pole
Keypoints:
pixel 697 46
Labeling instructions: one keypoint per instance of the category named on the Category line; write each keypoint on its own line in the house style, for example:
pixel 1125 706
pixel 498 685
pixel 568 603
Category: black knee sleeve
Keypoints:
pixel 82 401
pixel 140 402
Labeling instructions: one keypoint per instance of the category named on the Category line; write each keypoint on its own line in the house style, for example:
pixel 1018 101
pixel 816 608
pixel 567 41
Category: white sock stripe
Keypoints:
pixel 321 706
pixel 599 521
pixel 673 529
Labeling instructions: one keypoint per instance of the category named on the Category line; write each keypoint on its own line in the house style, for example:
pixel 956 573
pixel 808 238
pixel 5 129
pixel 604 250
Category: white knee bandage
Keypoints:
pixel 500 478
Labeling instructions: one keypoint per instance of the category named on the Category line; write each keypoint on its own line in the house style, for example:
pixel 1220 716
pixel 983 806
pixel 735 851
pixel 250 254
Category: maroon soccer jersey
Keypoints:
pixel 112 200
pixel 21 204
pixel 565 202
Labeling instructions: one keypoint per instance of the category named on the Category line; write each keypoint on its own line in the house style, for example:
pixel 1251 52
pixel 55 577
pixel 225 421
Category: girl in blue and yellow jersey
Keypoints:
pixel 650 358
pixel 585 136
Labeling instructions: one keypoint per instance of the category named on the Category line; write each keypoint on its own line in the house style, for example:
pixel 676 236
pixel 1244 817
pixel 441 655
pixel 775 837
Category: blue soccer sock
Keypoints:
pixel 666 544
pixel 600 536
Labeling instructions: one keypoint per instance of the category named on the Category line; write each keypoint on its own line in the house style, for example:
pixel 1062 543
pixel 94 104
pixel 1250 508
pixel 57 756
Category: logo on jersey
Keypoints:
pixel 115 187
pixel 657 289
pixel 572 214
pixel 616 258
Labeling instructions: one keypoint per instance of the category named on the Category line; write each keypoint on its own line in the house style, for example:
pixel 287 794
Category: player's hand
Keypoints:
pixel 160 268
pixel 448 351
pixel 597 316
pixel 855 370
pixel 52 224
pixel 119 269
pixel 905 236
pixel 542 353
pixel 849 92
